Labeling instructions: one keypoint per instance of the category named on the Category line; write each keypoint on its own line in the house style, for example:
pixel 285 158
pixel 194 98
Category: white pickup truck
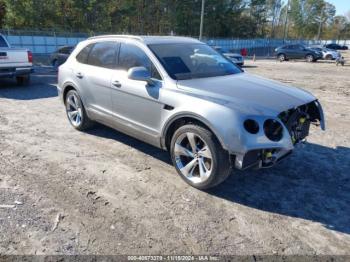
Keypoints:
pixel 15 62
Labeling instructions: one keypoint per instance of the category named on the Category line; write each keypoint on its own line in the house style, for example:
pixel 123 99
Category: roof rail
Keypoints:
pixel 116 36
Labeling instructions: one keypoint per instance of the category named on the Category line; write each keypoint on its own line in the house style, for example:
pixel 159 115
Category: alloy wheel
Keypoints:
pixel 74 110
pixel 309 58
pixel 282 58
pixel 193 157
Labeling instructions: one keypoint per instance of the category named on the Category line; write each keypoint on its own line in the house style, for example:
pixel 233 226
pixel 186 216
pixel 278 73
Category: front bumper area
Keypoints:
pixel 295 123
pixel 261 158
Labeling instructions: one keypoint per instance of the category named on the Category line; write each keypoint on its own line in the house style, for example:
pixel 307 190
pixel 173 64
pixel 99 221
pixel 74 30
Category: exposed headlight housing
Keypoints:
pixel 273 130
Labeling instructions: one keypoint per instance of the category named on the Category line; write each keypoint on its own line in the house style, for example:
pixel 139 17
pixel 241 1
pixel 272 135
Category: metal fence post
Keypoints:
pixel 54 33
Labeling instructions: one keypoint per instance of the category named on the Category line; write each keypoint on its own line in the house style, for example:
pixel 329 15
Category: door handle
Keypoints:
pixel 79 75
pixel 116 83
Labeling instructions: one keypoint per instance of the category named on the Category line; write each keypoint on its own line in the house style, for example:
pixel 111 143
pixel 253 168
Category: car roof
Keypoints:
pixel 66 46
pixel 151 39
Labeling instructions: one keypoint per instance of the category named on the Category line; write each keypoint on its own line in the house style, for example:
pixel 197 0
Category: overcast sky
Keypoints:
pixel 342 6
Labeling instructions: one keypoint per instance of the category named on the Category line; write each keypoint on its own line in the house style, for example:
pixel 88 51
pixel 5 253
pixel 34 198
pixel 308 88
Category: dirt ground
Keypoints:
pixel 102 192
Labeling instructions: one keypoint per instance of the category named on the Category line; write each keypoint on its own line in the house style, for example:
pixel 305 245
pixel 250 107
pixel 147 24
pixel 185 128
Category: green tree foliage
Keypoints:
pixel 224 18
pixel 308 15
pixel 2 13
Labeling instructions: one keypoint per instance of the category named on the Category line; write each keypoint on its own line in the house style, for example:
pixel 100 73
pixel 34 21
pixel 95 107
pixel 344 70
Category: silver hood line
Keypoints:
pixel 255 93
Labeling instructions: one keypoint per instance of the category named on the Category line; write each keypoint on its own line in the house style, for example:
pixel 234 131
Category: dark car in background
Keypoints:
pixel 297 51
pixel 233 57
pixel 60 55
pixel 336 47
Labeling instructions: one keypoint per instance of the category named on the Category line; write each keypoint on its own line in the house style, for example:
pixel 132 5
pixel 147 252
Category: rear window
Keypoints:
pixel 84 54
pixel 3 42
pixel 66 50
pixel 104 54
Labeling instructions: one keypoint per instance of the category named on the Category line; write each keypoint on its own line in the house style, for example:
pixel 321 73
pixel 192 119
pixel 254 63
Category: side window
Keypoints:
pixel 103 54
pixel 2 42
pixel 132 56
pixel 84 54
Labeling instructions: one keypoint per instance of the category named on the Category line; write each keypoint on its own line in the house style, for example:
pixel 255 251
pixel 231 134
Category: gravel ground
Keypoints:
pixel 102 192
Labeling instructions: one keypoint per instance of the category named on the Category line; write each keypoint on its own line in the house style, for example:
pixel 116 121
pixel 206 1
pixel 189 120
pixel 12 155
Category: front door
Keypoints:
pixel 136 103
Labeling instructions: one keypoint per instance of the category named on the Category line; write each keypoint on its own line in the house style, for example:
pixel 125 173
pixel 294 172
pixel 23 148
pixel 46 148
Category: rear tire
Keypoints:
pixel 76 113
pixel 23 80
pixel 198 157
pixel 329 57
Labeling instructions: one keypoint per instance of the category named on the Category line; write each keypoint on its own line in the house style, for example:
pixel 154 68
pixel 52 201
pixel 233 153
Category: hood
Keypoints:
pixel 247 93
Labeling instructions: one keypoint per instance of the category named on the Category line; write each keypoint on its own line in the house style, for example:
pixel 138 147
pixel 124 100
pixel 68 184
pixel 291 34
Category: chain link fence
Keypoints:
pixel 265 47
pixel 44 42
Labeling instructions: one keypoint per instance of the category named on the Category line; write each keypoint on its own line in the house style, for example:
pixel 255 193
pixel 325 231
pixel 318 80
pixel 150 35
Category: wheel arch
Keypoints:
pixel 182 119
pixel 329 56
pixel 65 91
pixel 67 87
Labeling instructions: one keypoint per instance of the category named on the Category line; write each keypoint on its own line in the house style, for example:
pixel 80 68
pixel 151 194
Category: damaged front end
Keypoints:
pixel 281 136
pixel 298 120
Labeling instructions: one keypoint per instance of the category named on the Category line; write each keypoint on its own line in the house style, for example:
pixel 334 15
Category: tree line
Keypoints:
pixel 308 19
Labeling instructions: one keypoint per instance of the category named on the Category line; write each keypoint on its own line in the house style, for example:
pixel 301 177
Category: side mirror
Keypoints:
pixel 140 73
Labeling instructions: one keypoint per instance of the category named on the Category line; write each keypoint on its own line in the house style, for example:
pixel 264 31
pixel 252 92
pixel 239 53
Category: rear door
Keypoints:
pixel 94 76
pixel 300 51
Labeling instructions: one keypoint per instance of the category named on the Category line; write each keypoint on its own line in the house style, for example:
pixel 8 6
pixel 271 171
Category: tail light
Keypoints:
pixel 30 57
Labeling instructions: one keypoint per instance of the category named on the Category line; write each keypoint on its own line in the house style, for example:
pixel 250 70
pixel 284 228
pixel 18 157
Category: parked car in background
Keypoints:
pixel 328 54
pixel 15 62
pixel 297 51
pixel 336 46
pixel 180 95
pixel 234 57
pixel 60 55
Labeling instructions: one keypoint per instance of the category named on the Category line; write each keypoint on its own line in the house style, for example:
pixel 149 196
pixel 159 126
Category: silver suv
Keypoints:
pixel 179 94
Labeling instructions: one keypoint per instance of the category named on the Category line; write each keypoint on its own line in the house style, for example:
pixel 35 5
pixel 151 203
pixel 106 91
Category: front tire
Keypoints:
pixel 198 157
pixel 76 113
pixel 310 58
pixel 282 57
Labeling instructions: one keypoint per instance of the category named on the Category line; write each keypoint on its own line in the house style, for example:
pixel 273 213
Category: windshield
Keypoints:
pixel 187 61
